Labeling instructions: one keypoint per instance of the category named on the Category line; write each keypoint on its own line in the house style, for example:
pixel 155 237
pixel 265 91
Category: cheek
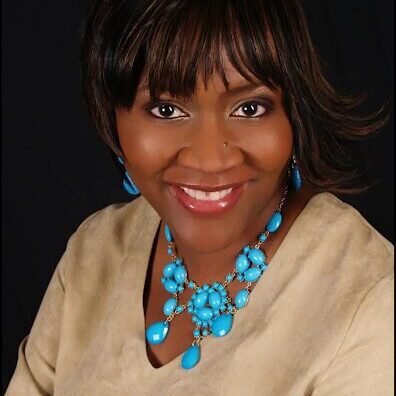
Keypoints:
pixel 146 150
pixel 271 146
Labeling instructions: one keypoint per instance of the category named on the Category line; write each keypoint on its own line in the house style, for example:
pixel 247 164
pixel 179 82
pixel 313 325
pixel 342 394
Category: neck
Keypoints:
pixel 207 267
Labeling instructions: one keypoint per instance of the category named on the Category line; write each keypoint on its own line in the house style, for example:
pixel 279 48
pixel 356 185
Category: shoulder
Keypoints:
pixel 354 223
pixel 101 241
pixel 341 224
pixel 356 272
pixel 116 223
pixel 112 216
pixel 353 254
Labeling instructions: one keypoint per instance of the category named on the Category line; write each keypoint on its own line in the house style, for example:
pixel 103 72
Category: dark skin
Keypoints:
pixel 190 148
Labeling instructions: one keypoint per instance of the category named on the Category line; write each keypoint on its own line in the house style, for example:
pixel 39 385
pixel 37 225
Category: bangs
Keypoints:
pixel 191 39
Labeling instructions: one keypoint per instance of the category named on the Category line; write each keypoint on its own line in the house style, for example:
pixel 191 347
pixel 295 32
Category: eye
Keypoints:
pixel 166 111
pixel 251 109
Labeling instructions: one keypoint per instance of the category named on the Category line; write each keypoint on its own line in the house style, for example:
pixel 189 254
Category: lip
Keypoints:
pixel 207 207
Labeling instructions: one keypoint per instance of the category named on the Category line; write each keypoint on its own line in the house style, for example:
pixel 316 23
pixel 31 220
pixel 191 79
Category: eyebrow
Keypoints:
pixel 245 87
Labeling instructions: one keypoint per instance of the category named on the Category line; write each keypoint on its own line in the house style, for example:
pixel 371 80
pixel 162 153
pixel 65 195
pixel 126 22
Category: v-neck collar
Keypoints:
pixel 145 229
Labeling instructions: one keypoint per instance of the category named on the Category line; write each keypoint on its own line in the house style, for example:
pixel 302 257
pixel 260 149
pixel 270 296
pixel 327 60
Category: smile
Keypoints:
pixel 205 195
pixel 207 202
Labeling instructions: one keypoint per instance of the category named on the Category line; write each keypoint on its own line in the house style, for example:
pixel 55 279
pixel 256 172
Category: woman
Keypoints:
pixel 236 270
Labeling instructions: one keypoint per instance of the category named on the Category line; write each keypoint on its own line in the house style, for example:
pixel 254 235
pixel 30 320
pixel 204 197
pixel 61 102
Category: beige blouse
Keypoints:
pixel 319 322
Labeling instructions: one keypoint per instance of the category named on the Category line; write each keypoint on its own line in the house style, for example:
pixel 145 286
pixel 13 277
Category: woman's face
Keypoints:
pixel 181 141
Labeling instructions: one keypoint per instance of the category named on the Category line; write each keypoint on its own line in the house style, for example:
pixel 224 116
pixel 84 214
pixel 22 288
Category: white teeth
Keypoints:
pixel 206 196
pixel 199 195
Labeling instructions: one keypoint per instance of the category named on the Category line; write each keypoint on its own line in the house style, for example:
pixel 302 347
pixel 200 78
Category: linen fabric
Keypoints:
pixel 319 322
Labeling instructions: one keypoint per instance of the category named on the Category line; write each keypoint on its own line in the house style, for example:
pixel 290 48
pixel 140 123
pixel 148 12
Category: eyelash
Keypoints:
pixel 262 101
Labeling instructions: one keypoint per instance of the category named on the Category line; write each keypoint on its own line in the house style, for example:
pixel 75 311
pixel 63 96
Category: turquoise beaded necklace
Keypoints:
pixel 212 310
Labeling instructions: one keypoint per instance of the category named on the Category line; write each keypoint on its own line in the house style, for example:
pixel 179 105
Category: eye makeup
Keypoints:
pixel 261 100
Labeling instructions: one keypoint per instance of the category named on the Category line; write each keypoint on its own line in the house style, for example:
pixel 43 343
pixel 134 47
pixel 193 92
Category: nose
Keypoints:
pixel 205 151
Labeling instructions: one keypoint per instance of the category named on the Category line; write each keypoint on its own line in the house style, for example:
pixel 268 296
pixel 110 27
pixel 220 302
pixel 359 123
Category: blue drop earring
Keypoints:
pixel 295 174
pixel 128 184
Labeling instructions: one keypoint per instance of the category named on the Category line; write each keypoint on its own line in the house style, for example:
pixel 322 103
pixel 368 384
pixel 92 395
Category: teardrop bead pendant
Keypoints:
pixel 191 357
pixel 296 178
pixel 222 325
pixel 157 332
pixel 129 185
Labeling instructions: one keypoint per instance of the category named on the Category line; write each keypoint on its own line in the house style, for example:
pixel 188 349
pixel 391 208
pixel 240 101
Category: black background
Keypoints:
pixel 56 171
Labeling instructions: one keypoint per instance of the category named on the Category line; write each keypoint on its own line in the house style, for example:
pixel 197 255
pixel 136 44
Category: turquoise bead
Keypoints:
pixel 196 333
pixel 191 357
pixel 157 332
pixel 201 299
pixel 222 325
pixel 262 237
pixel 205 313
pixel 170 286
pixel 274 222
pixel 169 270
pixel 120 160
pixel 296 177
pixel 129 178
pixel 242 298
pixel 169 306
pixel 257 256
pixel 180 274
pixel 252 274
pixel 191 285
pixel 240 277
pixel 214 300
pixel 130 185
pixel 242 263
pixel 168 234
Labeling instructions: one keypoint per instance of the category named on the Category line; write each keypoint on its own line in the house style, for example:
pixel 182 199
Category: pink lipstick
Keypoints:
pixel 207 202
